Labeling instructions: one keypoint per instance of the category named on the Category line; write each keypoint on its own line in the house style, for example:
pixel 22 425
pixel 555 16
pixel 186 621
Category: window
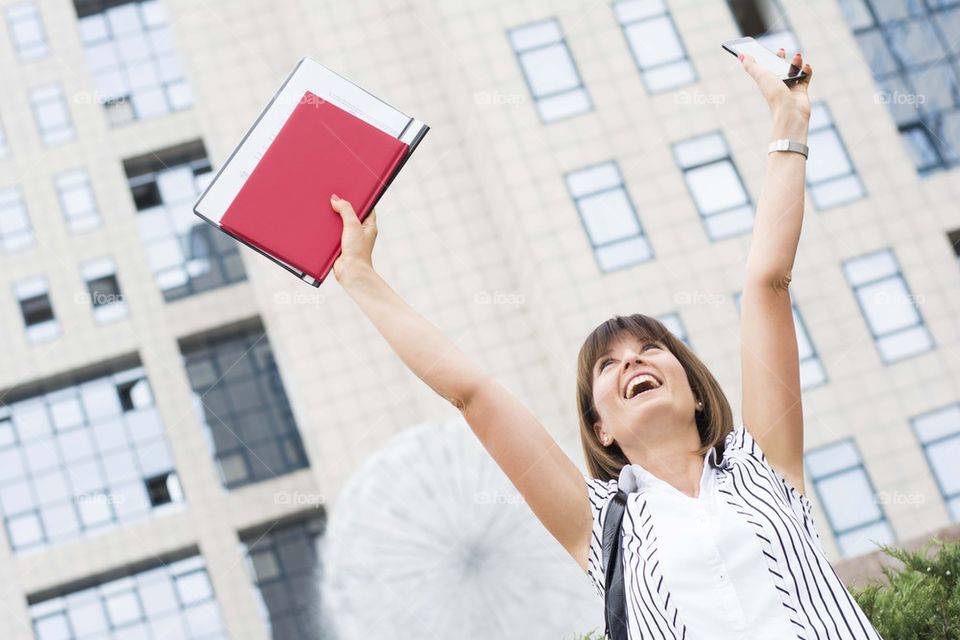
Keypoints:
pixel 911 50
pixel 133 59
pixel 284 564
pixel 26 31
pixel 52 115
pixel 655 43
pixel 172 599
pixel 15 230
pixel 888 306
pixel 240 397
pixel 104 289
pixel 830 175
pixel 187 255
pixel 39 321
pixel 953 237
pixel 608 216
pixel 675 325
pixel 939 433
pixel 76 200
pixel 550 71
pixel 812 373
pixel 78 455
pixel 848 498
pixel 765 21
pixel 715 185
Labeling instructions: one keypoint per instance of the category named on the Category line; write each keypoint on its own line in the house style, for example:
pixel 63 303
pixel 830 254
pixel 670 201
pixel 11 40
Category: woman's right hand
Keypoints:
pixel 356 242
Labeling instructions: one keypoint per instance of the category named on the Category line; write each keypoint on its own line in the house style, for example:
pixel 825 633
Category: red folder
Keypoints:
pixel 284 208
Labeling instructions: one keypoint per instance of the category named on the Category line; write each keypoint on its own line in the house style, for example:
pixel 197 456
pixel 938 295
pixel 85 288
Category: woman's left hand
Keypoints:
pixel 782 99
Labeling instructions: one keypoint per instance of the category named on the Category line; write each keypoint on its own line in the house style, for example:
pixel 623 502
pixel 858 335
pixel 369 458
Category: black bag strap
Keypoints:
pixel 615 617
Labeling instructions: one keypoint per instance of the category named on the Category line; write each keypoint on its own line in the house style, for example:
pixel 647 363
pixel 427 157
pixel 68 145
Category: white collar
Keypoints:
pixel 634 478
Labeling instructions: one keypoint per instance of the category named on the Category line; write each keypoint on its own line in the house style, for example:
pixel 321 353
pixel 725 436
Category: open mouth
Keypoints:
pixel 640 384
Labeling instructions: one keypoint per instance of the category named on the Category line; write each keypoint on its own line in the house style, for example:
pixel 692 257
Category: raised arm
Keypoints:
pixel 770 368
pixel 547 479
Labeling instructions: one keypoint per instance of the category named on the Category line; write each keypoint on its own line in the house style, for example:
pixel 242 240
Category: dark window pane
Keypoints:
pixel 284 566
pixel 158 489
pixel 104 291
pixel 251 426
pixel 36 309
pixel 921 146
pixel 146 195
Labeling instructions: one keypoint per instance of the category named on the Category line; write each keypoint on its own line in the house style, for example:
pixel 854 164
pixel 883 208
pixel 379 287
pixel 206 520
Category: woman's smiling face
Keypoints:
pixel 668 400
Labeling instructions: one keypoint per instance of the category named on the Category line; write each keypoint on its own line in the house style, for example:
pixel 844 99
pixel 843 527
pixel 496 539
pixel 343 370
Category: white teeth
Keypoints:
pixel 644 377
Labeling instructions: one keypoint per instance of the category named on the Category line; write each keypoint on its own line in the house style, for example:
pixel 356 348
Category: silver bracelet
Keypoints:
pixel 789 145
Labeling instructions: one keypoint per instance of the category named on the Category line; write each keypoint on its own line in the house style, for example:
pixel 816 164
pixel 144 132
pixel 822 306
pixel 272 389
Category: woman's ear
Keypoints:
pixel 601 434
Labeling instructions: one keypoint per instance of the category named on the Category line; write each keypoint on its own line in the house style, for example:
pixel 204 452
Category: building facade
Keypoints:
pixel 178 415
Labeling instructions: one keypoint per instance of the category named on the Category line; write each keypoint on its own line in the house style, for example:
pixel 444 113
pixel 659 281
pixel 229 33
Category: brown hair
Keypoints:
pixel 714 421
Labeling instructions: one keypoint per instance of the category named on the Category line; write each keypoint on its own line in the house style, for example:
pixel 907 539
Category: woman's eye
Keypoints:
pixel 649 345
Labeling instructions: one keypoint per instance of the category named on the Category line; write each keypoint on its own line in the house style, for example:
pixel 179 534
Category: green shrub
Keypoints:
pixel 921 600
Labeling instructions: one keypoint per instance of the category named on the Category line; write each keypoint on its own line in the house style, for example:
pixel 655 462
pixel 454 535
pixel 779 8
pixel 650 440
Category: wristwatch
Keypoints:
pixel 789 145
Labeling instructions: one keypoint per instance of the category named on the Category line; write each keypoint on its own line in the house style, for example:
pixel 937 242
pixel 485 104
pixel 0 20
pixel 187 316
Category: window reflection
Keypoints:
pixel 848 498
pixel 187 255
pixel 655 44
pixel 549 69
pixel 131 54
pixel 240 397
pixel 715 185
pixel 911 50
pixel 171 600
pixel 888 305
pixel 82 456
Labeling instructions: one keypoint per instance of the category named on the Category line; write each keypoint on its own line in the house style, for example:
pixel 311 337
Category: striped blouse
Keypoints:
pixel 742 560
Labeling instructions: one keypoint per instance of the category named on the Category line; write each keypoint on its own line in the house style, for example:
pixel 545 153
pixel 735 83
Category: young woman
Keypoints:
pixel 717 538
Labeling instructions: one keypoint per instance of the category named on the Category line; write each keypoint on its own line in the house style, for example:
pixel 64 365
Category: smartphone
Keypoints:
pixel 783 68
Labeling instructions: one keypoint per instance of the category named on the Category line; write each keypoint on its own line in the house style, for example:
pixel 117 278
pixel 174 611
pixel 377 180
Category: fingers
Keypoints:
pixel 345 209
pixel 370 223
pixel 798 62
pixel 751 66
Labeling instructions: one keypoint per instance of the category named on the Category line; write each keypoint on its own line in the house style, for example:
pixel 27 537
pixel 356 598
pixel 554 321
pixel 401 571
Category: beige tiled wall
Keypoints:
pixel 482 207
